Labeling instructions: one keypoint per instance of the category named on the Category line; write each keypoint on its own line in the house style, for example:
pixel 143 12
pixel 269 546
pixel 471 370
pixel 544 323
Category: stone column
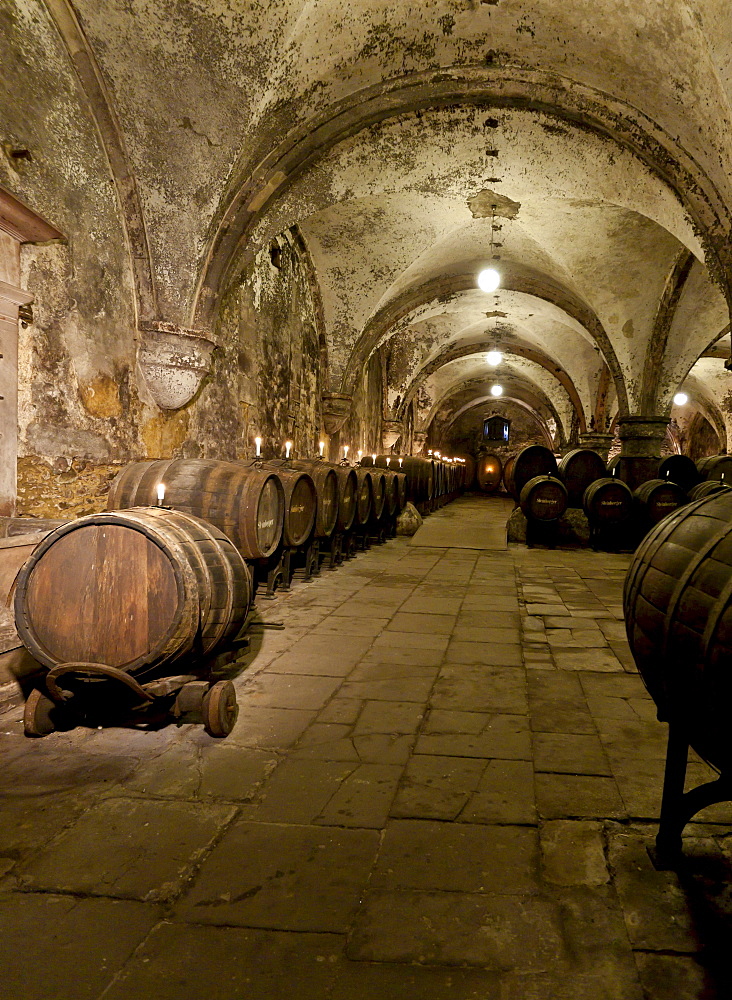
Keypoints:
pixel 601 443
pixel 641 439
pixel 11 298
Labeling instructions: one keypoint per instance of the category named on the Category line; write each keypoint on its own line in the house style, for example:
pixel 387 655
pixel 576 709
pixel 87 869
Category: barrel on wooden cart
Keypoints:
pixel 577 469
pixel 420 484
pixel 325 484
pixel 607 502
pixel 109 600
pixel 543 498
pixel 716 467
pixel 536 460
pixel 657 499
pixel 489 473
pixel 678 612
pixel 679 469
pixel 391 503
pixel 247 504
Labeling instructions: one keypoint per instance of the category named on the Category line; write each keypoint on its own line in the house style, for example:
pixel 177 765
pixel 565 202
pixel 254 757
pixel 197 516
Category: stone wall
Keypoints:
pixel 466 434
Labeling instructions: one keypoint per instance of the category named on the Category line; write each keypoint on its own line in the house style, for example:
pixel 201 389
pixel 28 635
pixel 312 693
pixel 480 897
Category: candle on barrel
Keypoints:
pixel 258 446
pixel 288 446
pixel 161 494
pixel 373 459
pixel 401 460
pixel 388 460
pixel 321 445
pixel 345 451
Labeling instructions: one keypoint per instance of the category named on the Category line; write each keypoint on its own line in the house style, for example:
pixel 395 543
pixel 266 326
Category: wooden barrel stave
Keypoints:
pixel 489 473
pixel 327 486
pixel 530 463
pixel 364 497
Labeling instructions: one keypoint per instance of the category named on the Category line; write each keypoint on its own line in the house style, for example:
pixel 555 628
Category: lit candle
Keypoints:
pixel 373 459
pixel 400 462
pixel 345 451
pixel 288 445
pixel 360 454
pixel 429 451
pixel 161 494
pixel 321 446
pixel 258 443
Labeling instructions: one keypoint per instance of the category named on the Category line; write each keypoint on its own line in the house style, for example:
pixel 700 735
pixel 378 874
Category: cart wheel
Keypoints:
pixel 37 719
pixel 220 709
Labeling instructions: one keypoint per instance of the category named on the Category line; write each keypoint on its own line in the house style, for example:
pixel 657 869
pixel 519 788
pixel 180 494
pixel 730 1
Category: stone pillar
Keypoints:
pixel 601 443
pixel 641 439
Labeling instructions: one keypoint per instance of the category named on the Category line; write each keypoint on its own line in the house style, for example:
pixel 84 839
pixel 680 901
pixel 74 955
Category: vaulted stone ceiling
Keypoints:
pixel 589 139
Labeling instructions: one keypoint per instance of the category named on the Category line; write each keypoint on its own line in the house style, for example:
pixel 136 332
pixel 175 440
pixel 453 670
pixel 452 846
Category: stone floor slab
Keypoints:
pixel 298 878
pixel 128 848
pixel 437 787
pixel 448 928
pixel 505 794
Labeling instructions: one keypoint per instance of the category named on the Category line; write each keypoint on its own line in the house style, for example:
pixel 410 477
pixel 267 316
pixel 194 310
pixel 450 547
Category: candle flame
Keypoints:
pixel 288 446
pixel 258 443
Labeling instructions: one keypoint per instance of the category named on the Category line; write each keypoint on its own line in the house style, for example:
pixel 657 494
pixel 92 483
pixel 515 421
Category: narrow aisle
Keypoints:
pixel 441 783
pixel 475 521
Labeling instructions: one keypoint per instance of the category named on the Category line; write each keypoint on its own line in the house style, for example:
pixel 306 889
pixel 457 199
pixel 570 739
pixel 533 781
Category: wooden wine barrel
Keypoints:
pixel 508 471
pixel 247 504
pixel 419 479
pixel 531 462
pixel 378 491
pixel 489 473
pixel 401 490
pixel 301 501
pixel 658 499
pixel 607 501
pixel 679 469
pixel 363 497
pixel 543 498
pixel 577 469
pixel 716 467
pixel 133 589
pixel 707 489
pixel 326 488
pixel 678 612
pixel 391 503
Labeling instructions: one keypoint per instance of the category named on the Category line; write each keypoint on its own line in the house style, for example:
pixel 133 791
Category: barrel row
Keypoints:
pixel 262 505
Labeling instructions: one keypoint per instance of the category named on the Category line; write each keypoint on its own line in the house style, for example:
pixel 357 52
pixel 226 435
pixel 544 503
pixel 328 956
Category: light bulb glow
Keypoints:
pixel 494 358
pixel 258 443
pixel 496 390
pixel 489 280
pixel 681 399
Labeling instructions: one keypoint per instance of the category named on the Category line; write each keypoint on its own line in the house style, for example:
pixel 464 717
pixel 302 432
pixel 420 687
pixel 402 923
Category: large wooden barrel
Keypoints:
pixel 133 589
pixel 301 501
pixel 658 498
pixel 402 490
pixel 327 489
pixel 419 479
pixel 543 498
pixel 679 469
pixel 577 469
pixel 607 501
pixel 536 460
pixel 247 504
pixel 678 612
pixel 489 473
pixel 391 503
pixel 378 491
pixel 716 467
pixel 707 489
pixel 364 497
pixel 508 471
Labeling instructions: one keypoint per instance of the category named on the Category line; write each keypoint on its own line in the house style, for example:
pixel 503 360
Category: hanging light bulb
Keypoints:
pixel 496 390
pixel 488 280
pixel 681 399
pixel 494 358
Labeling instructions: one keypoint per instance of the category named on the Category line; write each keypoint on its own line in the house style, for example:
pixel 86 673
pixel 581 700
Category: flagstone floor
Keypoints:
pixel 443 782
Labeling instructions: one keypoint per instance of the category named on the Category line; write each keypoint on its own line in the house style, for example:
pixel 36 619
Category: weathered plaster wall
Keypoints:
pixel 466 434
pixel 362 429
pixel 267 376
